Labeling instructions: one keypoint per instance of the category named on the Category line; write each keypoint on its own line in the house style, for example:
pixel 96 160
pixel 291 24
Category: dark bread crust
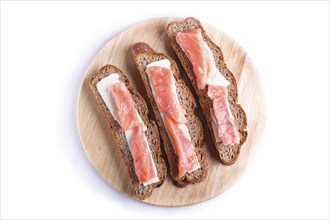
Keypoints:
pixel 144 55
pixel 228 154
pixel 139 191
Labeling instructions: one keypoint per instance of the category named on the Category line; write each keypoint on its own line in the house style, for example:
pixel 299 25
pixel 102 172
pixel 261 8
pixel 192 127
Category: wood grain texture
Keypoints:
pixel 97 138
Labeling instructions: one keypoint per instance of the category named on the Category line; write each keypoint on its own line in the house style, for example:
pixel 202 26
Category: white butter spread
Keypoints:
pixel 162 63
pixel 102 86
pixel 165 63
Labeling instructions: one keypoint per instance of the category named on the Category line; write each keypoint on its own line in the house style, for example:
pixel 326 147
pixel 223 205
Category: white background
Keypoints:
pixel 45 50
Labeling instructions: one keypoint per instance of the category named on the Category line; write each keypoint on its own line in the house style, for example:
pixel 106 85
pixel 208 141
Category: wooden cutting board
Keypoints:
pixel 97 138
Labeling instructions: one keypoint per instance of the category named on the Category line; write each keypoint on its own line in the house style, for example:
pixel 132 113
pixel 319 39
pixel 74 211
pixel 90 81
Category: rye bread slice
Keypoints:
pixel 228 154
pixel 144 55
pixel 139 190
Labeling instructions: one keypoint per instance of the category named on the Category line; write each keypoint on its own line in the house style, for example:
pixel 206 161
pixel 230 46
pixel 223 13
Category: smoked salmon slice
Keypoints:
pixel 226 128
pixel 165 93
pixel 128 118
pixel 187 159
pixel 206 73
pixel 141 155
pixel 126 112
pixel 201 58
pixel 190 41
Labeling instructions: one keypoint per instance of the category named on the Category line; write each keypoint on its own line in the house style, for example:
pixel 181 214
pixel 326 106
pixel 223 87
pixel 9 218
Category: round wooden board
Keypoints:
pixel 98 140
